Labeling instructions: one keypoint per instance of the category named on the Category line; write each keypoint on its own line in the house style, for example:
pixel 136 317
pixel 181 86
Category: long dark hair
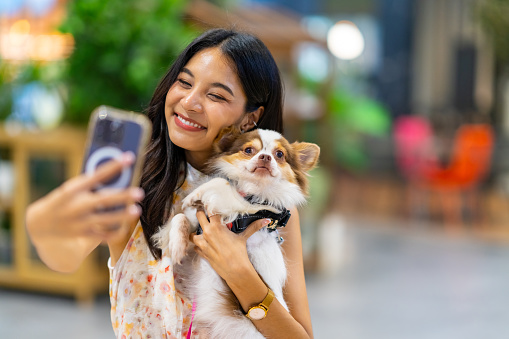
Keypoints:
pixel 261 82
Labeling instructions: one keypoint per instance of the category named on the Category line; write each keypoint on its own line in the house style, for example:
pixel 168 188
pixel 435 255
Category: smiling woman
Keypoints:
pixel 223 78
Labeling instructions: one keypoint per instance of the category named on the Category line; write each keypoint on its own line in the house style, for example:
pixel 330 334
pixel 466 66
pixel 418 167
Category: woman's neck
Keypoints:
pixel 197 159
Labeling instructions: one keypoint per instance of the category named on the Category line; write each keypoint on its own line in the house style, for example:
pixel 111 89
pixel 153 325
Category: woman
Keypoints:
pixel 222 78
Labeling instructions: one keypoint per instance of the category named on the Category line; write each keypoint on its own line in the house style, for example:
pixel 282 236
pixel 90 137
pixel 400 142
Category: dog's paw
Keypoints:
pixel 193 199
pixel 210 193
pixel 179 238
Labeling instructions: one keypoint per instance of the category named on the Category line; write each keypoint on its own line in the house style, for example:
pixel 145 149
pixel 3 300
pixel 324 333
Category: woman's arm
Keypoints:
pixel 65 225
pixel 232 264
pixel 295 292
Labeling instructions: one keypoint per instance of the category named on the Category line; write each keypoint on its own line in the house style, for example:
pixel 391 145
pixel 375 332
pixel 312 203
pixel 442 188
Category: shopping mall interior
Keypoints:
pixel 405 233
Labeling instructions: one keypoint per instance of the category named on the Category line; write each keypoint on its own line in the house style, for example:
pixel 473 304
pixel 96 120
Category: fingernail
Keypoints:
pixel 265 222
pixel 134 210
pixel 128 158
pixel 138 193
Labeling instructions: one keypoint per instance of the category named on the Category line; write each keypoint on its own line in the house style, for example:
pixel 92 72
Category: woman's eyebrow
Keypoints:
pixel 187 71
pixel 214 84
pixel 226 88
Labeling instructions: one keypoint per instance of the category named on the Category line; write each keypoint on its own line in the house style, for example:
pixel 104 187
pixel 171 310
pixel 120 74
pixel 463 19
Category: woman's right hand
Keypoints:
pixel 74 211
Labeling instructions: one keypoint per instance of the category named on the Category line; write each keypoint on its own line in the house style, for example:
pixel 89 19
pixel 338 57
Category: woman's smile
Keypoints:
pixel 188 124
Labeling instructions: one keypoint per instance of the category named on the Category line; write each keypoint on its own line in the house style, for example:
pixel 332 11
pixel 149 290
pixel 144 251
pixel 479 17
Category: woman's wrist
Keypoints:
pixel 248 287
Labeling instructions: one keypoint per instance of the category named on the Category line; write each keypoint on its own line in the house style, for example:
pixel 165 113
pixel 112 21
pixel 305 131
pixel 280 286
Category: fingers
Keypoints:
pixel 250 230
pixel 104 199
pixel 194 238
pixel 199 243
pixel 254 227
pixel 104 222
pixel 199 240
pixel 202 218
pixel 102 174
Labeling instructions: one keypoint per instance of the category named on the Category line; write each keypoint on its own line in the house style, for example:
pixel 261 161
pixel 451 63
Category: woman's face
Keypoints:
pixel 206 97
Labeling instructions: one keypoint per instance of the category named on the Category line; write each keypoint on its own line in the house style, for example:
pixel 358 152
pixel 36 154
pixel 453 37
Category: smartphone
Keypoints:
pixel 111 132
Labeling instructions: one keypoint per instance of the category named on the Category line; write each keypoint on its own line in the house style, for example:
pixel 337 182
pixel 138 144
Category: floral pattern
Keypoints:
pixel 144 300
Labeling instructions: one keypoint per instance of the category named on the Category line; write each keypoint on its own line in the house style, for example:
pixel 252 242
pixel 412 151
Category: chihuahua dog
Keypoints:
pixel 255 175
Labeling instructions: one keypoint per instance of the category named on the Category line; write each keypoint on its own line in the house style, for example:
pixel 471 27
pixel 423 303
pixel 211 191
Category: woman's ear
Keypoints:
pixel 250 120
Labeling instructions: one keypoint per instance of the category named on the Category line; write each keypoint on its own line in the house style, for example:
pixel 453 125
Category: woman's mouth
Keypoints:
pixel 187 124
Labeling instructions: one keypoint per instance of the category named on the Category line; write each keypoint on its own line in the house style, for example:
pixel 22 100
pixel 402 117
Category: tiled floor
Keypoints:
pixel 27 315
pixel 392 283
pixel 413 284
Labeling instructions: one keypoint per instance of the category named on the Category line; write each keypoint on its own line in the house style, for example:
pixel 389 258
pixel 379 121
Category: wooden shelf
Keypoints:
pixel 64 144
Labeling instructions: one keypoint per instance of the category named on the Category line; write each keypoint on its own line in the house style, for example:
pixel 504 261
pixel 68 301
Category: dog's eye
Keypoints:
pixel 280 154
pixel 248 150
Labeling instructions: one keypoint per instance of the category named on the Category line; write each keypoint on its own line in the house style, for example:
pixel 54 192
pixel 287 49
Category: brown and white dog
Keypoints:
pixel 260 164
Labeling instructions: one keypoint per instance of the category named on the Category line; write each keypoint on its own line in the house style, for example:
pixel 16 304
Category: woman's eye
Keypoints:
pixel 217 97
pixel 280 154
pixel 184 83
pixel 248 150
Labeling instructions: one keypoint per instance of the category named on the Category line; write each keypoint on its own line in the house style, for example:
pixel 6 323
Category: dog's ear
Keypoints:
pixel 308 154
pixel 226 137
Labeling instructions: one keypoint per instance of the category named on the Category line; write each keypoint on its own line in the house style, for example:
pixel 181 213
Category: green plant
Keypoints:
pixel 122 49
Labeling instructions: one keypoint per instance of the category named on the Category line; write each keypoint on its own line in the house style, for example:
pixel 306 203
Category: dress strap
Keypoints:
pixel 192 318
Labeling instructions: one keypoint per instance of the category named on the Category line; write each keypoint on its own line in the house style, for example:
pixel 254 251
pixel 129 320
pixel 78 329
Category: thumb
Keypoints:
pixel 254 227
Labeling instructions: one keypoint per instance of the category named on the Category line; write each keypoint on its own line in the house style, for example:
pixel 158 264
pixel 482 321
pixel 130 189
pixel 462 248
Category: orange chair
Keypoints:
pixel 470 161
pixel 458 182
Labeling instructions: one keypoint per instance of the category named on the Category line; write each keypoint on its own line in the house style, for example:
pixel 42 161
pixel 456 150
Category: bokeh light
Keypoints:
pixel 345 40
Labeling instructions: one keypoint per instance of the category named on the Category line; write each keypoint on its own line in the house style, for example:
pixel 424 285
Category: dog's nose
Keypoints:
pixel 265 157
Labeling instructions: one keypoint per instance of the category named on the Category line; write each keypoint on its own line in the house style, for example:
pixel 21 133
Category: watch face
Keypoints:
pixel 257 313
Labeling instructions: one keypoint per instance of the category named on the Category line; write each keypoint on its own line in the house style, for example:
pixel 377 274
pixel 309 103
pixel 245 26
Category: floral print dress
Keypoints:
pixel 145 302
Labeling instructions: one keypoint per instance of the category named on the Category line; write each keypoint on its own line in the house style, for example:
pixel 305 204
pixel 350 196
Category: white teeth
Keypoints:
pixel 188 123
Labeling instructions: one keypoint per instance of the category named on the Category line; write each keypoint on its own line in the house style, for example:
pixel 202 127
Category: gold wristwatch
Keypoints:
pixel 259 311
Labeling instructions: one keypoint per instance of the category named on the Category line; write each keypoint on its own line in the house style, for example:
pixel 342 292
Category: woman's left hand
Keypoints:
pixel 225 251
pixel 227 254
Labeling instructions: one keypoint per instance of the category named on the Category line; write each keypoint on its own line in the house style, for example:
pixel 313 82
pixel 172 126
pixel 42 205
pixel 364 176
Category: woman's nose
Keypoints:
pixel 192 101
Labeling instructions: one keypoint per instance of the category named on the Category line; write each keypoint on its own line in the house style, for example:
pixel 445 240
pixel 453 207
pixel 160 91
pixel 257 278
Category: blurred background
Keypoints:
pixel 406 233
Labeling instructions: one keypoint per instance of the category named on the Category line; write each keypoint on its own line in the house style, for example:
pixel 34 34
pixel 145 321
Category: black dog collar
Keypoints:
pixel 277 220
pixel 240 224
